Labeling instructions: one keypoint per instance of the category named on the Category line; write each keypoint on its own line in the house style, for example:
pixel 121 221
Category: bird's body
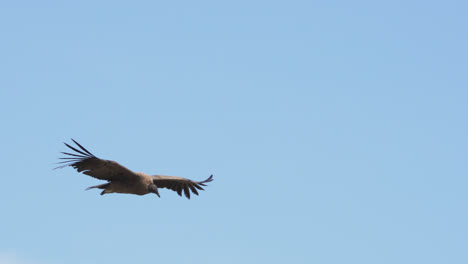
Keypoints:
pixel 122 180
pixel 139 186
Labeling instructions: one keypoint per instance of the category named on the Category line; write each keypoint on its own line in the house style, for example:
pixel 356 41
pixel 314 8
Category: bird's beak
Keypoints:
pixel 154 189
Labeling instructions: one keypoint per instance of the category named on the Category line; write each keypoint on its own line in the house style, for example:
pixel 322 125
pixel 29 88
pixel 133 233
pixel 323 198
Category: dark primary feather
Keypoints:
pixel 82 147
pixel 179 184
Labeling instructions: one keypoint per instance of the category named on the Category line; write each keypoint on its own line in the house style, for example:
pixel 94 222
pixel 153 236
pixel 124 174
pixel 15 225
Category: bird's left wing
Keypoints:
pixel 83 161
pixel 179 184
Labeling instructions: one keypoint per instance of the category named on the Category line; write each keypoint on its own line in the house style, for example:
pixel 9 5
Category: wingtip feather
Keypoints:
pixel 81 147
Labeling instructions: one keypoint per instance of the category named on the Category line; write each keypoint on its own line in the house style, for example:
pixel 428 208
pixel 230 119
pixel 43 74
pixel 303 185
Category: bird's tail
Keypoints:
pixel 100 186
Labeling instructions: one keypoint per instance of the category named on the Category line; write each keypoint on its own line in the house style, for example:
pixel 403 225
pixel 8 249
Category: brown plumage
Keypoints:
pixel 122 180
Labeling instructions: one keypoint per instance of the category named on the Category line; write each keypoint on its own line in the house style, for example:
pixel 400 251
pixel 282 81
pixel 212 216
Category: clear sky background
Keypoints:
pixel 336 131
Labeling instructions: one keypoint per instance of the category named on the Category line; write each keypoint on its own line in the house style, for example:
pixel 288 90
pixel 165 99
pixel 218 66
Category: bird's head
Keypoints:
pixel 154 189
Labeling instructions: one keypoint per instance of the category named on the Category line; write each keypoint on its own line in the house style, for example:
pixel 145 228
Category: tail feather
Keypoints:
pixel 100 186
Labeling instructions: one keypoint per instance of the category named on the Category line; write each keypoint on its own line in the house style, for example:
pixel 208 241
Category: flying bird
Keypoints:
pixel 122 180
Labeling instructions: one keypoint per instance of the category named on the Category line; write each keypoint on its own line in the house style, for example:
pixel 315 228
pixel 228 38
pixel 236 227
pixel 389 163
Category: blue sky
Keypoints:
pixel 336 131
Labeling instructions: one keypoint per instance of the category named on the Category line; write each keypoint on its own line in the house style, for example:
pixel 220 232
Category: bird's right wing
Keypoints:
pixel 83 161
pixel 179 184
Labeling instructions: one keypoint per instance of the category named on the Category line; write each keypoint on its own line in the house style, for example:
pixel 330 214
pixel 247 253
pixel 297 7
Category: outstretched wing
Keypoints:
pixel 83 161
pixel 179 184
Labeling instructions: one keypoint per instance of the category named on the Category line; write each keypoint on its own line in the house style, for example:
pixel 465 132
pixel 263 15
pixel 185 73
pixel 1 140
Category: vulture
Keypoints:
pixel 122 180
